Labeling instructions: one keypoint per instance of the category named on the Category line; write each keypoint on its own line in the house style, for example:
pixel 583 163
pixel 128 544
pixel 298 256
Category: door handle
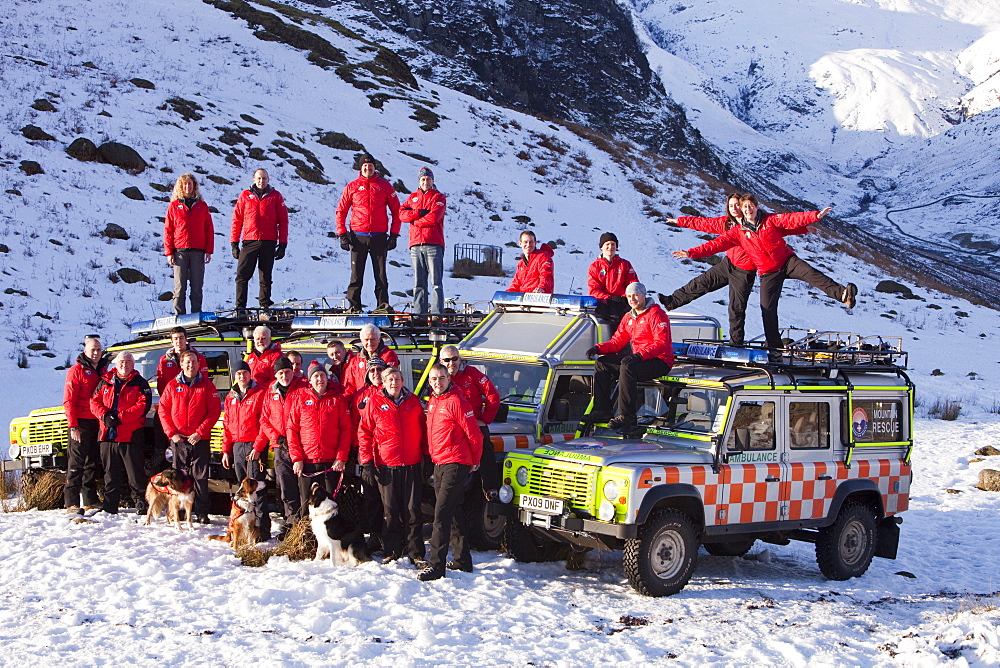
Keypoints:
pixel 772 478
pixel 825 477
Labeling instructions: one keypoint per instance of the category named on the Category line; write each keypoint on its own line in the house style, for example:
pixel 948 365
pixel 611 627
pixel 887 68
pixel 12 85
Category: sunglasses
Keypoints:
pixel 451 359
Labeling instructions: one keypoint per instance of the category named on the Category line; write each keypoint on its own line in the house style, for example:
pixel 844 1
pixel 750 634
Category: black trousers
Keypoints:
pixel 609 368
pixel 328 480
pixel 361 248
pixel 740 282
pixel 195 459
pixel 374 510
pixel 259 255
pixel 449 518
pixel 124 464
pixel 489 470
pixel 83 465
pixel 770 292
pixel 400 490
pixel 611 311
pixel 288 483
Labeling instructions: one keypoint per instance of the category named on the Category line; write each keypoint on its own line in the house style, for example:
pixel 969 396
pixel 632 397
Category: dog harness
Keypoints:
pixel 165 489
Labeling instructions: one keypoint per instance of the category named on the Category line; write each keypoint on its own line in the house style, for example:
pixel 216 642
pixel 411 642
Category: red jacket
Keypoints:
pixel 453 437
pixel 392 435
pixel 130 398
pixel 262 364
pixel 81 381
pixel 766 247
pixel 318 427
pixel 170 366
pixel 428 228
pixel 649 333
pixel 737 256
pixel 479 391
pixel 260 218
pixel 609 279
pixel 535 274
pixel 356 367
pixel 188 228
pixel 242 420
pixel 189 409
pixel 274 414
pixel 367 199
pixel 356 407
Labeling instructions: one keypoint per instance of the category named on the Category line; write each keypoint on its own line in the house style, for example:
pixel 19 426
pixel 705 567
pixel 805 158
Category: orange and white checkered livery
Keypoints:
pixel 524 442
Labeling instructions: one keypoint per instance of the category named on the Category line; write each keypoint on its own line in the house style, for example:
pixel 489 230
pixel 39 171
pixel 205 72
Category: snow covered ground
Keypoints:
pixel 113 591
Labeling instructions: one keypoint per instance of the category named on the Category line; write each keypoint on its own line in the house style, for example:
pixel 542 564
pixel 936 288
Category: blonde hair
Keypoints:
pixel 178 189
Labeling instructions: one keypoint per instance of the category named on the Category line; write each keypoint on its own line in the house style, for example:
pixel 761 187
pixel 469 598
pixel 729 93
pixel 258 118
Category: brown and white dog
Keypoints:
pixel 244 515
pixel 171 490
pixel 336 536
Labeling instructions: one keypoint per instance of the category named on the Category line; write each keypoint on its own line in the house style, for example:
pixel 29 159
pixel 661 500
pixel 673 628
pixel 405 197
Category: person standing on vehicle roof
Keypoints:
pixel 242 434
pixel 424 210
pixel 607 279
pixel 359 399
pixel 273 419
pixel 120 402
pixel 83 452
pixel 392 443
pixel 761 235
pixel 370 235
pixel 647 328
pixel 482 395
pixel 371 346
pixel 534 271
pixel 188 241
pixel 455 444
pixel 170 363
pixel 263 356
pixel 189 408
pixel 319 434
pixel 260 221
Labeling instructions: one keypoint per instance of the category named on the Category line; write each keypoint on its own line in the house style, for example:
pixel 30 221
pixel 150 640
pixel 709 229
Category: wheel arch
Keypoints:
pixel 682 496
pixel 861 489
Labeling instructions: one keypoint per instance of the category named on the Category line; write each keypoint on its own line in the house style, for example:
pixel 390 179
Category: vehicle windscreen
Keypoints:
pixel 146 362
pixel 682 408
pixel 517 383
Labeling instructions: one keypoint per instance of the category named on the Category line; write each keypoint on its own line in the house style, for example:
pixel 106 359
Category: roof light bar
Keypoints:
pixel 720 352
pixel 544 300
pixel 338 322
pixel 167 323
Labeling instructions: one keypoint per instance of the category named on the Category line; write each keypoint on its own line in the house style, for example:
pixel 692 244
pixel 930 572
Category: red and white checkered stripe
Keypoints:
pixel 522 442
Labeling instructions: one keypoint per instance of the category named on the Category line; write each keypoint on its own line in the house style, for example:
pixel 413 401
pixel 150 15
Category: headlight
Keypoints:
pixel 506 494
pixel 14 451
pixel 611 490
pixel 522 476
pixel 22 434
pixel 606 512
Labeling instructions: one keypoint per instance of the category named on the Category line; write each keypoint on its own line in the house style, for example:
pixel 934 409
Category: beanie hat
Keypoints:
pixel 425 171
pixel 315 366
pixel 377 363
pixel 241 366
pixel 366 157
pixel 282 363
pixel 636 288
pixel 606 237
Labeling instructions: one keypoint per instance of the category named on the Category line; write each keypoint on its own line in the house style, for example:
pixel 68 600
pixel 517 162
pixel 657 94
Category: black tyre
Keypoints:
pixel 845 548
pixel 735 548
pixel 484 532
pixel 520 543
pixel 660 561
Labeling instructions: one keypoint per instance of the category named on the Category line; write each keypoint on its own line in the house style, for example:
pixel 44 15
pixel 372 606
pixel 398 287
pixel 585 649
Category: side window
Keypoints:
pixel 809 425
pixel 417 366
pixel 146 362
pixel 873 421
pixel 757 417
pixel 571 398
pixel 218 369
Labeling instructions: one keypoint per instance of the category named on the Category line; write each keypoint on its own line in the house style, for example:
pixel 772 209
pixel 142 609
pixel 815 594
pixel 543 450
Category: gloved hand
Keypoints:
pixel 279 252
pixel 345 241
pixel 368 475
pixel 423 212
pixel 236 249
pixel 111 420
pixel 391 243
pixel 631 359
pixel 617 300
pixel 592 351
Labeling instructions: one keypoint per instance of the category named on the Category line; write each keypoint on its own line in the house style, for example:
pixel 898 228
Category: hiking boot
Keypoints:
pixel 455 566
pixel 388 559
pixel 383 309
pixel 850 295
pixel 430 573
pixel 141 507
pixel 596 416
pixel 666 301
pixel 202 519
pixel 418 563
pixel 74 510
pixel 621 422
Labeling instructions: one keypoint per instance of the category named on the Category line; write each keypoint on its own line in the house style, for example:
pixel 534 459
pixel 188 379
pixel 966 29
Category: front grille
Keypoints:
pixel 573 485
pixel 48 431
pixel 217 434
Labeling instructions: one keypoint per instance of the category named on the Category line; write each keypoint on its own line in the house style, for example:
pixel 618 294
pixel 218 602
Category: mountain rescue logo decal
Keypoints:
pixel 309 402
pixel 859 422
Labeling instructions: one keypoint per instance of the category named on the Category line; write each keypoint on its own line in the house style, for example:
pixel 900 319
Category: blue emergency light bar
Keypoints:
pixel 544 300
pixel 710 351
pixel 335 322
pixel 166 323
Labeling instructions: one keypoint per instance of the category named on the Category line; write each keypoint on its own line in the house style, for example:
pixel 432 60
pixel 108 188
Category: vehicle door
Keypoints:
pixel 806 445
pixel 752 473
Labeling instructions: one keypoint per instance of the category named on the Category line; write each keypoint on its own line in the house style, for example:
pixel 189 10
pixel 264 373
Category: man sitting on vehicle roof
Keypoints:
pixel 534 271
pixel 647 328
pixel 371 346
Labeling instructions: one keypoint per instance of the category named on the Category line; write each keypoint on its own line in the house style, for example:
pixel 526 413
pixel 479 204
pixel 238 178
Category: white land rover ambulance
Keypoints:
pixel 731 449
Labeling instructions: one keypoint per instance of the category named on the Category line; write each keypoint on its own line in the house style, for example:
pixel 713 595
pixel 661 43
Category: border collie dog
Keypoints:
pixel 336 536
